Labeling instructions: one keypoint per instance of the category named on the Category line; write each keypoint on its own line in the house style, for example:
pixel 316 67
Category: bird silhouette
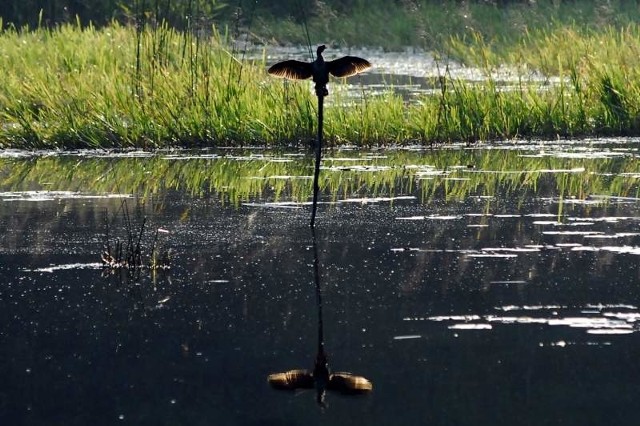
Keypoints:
pixel 320 69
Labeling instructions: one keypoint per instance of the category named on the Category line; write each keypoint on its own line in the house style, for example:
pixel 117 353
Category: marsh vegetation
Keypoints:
pixel 151 85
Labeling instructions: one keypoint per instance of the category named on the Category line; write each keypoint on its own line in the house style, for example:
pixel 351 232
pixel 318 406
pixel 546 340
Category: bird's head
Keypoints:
pixel 321 49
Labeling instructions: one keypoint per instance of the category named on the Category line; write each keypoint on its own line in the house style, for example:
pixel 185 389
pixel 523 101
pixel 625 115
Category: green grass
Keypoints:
pixel 430 24
pixel 72 87
pixel 116 86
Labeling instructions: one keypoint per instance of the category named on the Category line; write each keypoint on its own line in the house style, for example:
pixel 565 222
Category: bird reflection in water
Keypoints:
pixel 321 378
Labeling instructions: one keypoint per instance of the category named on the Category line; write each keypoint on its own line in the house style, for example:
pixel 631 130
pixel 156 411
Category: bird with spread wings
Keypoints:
pixel 320 69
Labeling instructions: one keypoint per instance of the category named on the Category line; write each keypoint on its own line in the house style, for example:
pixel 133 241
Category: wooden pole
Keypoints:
pixel 316 174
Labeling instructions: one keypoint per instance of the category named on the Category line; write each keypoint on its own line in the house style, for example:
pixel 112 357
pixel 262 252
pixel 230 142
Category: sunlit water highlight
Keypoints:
pixel 595 319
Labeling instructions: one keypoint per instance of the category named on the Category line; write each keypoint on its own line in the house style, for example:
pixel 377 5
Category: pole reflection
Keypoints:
pixel 321 378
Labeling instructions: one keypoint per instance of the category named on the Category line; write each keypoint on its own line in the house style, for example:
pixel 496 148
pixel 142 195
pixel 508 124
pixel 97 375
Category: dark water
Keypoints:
pixel 513 310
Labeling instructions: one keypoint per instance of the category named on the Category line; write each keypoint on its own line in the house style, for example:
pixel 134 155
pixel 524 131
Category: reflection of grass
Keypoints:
pixel 450 173
pixel 69 87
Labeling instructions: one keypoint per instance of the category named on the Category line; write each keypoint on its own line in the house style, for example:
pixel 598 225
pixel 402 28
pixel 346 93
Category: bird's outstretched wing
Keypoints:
pixel 348 66
pixel 291 380
pixel 294 70
pixel 349 383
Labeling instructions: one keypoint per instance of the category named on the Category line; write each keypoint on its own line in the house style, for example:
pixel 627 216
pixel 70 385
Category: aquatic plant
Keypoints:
pixel 69 87
pixel 129 253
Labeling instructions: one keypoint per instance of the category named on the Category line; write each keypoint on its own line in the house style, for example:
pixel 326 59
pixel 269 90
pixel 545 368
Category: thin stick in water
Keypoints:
pixel 316 173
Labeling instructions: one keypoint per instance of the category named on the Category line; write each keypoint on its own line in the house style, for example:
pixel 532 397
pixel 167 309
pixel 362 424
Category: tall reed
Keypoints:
pixel 153 86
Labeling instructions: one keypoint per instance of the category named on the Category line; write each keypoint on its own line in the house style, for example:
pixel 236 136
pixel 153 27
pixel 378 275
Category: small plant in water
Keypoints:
pixel 129 253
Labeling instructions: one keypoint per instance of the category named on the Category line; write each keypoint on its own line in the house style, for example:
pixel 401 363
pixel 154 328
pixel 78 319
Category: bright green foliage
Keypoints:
pixel 158 87
pixel 117 86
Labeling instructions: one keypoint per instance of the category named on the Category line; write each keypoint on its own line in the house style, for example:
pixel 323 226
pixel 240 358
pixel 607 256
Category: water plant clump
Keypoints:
pixel 130 253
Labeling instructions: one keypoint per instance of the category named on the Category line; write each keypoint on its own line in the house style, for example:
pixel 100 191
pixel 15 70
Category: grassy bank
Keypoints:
pixel 157 87
pixel 121 87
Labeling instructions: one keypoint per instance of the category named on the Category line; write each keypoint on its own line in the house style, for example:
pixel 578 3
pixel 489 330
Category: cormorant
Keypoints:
pixel 320 69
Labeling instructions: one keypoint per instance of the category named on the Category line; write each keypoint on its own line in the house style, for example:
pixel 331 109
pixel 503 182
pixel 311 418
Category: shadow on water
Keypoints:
pixel 321 378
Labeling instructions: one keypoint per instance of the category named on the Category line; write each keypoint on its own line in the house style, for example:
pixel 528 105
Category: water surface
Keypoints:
pixel 472 285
